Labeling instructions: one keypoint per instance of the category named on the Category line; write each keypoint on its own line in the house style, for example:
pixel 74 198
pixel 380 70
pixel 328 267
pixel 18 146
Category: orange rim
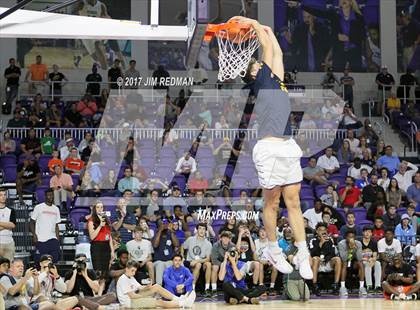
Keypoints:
pixel 233 29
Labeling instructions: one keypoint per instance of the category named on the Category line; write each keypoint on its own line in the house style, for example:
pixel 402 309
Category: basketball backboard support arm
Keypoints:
pixel 154 13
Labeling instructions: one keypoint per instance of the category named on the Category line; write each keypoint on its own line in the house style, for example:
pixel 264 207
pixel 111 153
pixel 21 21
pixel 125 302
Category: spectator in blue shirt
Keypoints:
pixel 286 241
pixel 351 224
pixel 405 231
pixel 392 163
pixel 177 278
pixel 233 272
pixel 164 245
pixel 129 182
pixel 123 221
pixel 413 191
pixel 364 179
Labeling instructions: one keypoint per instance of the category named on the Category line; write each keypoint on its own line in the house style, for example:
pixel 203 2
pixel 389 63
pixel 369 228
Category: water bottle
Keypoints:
pixel 81 228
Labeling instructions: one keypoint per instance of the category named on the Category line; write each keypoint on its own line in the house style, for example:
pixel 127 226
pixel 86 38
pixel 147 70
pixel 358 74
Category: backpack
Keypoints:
pixel 12 280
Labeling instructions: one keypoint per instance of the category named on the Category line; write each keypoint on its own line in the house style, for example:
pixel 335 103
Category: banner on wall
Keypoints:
pixel 71 54
pixel 316 34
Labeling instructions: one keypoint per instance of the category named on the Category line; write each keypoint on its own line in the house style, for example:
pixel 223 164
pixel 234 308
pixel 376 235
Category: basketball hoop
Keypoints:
pixel 237 43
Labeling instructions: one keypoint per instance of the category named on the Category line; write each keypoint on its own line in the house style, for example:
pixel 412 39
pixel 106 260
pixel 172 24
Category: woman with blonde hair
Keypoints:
pixel 347 33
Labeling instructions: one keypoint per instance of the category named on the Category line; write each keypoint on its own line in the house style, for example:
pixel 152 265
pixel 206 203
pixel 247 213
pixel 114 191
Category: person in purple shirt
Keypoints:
pixel 389 161
pixel 177 278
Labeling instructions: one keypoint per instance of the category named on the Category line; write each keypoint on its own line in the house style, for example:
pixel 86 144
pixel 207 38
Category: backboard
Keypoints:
pixel 35 24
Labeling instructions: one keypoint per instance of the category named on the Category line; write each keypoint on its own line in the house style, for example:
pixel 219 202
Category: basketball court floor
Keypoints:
pixel 319 304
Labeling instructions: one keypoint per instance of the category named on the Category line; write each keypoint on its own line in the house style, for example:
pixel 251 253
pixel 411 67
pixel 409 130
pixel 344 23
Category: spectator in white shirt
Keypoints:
pixel 65 150
pixel 186 164
pixel 354 142
pixel 141 251
pixel 44 228
pixel 388 247
pixel 355 170
pixel 329 162
pixel 314 215
pixel 132 294
pixel 384 179
pixel 404 176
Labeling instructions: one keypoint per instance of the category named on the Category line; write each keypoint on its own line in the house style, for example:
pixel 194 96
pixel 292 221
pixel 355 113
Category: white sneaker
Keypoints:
pixel 189 300
pixel 301 260
pixel 343 292
pixel 276 257
pixel 402 296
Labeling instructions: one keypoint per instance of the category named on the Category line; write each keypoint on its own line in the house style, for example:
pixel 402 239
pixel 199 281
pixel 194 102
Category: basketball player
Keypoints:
pixel 276 157
pixel 94 48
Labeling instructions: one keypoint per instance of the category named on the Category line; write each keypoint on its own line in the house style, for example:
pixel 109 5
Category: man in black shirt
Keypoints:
pixel 384 80
pixel 56 79
pixel 72 118
pixel 406 80
pixel 118 268
pixel 370 192
pixel 370 259
pixel 18 121
pixel 94 87
pixel 399 283
pixel 28 176
pixel 114 73
pixel 324 258
pixel 31 145
pixel 160 74
pixel 12 75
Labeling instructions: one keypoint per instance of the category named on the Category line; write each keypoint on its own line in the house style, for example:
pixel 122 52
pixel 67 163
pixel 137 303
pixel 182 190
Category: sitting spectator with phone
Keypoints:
pixel 177 278
pixel 133 295
pixel 324 259
pixel 51 282
pixel 232 272
pixel 21 287
pixel 141 251
pixel 399 281
pixel 350 251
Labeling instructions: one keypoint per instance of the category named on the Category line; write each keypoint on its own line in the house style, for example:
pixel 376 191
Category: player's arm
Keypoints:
pixel 263 37
pixel 278 66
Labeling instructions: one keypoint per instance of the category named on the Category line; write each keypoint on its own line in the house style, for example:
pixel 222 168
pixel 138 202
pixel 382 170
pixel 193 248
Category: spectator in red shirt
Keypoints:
pixel 332 229
pixel 350 196
pixel 73 163
pixel 378 229
pixel 198 183
pixel 87 106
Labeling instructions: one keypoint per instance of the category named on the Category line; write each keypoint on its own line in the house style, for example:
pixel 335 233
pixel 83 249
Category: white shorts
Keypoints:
pixel 277 162
pixel 325 267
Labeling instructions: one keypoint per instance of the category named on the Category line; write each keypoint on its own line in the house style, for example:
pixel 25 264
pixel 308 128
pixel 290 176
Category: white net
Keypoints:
pixel 235 53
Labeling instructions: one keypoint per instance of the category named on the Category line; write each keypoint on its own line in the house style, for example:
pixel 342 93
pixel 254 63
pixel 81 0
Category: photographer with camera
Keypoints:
pixel 23 289
pixel 233 272
pixel 101 247
pixel 82 283
pixel 50 280
pixel 324 258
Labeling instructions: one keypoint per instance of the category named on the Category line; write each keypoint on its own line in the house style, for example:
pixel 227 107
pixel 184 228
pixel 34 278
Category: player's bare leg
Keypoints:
pixel 273 252
pixel 302 258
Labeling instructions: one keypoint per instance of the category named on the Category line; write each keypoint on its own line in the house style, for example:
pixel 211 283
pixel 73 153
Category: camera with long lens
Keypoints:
pixel 232 253
pixel 80 266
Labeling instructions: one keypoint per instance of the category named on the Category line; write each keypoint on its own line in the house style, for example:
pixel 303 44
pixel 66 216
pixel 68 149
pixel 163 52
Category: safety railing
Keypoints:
pixel 181 133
